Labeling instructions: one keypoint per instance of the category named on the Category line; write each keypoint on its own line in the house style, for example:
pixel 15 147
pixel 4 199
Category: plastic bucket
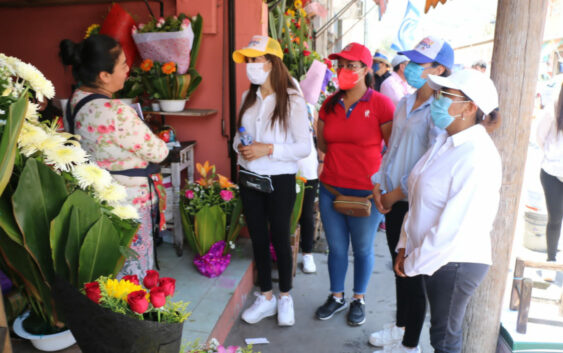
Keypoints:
pixel 534 231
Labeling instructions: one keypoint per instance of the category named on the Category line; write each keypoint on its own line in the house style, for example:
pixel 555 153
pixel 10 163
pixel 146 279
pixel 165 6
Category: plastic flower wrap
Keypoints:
pixel 213 346
pixel 149 301
pixel 211 215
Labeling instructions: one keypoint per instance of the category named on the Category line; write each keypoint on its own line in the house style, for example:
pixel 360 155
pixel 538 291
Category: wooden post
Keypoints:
pixel 7 348
pixel 517 284
pixel 516 55
pixel 524 309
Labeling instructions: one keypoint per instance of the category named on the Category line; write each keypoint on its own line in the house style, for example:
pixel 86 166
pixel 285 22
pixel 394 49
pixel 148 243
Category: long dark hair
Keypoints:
pixel 281 80
pixel 88 58
pixel 559 111
pixel 335 98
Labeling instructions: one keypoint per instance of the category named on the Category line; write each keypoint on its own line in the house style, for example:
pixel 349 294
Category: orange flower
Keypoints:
pixel 203 169
pixel 169 68
pixel 202 182
pixel 302 179
pixel 296 40
pixel 224 182
pixel 147 65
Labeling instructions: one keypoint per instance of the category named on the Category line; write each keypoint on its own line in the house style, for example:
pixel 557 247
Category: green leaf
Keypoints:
pixel 194 82
pixel 36 288
pixel 37 200
pixel 235 225
pixel 9 139
pixel 209 225
pixel 86 213
pixel 99 252
pixel 297 207
pixel 182 83
pixel 189 231
pixel 7 220
pixel 197 28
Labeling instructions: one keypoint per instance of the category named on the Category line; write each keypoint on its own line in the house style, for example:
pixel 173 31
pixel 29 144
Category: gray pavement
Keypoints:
pixel 334 335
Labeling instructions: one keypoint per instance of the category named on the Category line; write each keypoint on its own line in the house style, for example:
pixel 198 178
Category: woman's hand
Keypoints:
pixel 390 198
pixel 377 197
pixel 255 150
pixel 400 263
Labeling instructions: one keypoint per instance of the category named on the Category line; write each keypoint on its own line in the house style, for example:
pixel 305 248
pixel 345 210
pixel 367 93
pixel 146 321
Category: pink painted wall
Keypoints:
pixel 33 35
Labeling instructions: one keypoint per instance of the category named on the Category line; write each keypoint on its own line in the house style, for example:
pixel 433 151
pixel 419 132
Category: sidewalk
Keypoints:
pixel 334 335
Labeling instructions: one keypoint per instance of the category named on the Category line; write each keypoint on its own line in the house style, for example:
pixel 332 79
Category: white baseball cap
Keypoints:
pixel 474 84
pixel 399 59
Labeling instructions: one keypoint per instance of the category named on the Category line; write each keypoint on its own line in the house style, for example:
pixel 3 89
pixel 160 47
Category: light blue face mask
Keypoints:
pixel 439 112
pixel 412 74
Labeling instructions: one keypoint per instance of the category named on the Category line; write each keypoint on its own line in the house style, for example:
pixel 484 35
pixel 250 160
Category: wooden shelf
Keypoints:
pixel 186 112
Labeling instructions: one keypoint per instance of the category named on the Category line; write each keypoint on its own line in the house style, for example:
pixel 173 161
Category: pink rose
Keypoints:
pixel 102 129
pixel 226 195
pixel 107 104
pixel 147 137
pixel 189 194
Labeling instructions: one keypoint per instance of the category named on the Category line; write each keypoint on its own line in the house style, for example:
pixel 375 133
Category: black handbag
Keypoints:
pixel 262 183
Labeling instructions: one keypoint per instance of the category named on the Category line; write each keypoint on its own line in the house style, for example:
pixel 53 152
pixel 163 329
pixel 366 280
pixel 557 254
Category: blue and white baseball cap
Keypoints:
pixel 431 49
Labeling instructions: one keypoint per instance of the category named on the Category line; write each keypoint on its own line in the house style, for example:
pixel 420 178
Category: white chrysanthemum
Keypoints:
pixel 38 82
pixel 52 141
pixel 89 174
pixel 8 62
pixel 113 193
pixel 30 137
pixel 64 157
pixel 31 112
pixel 125 212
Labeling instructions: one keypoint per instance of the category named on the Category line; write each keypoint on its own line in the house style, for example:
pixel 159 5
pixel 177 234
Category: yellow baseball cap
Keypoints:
pixel 258 46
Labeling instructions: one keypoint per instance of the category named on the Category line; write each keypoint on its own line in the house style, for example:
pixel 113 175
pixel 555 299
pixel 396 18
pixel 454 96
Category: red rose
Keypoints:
pixel 151 279
pixel 137 301
pixel 168 284
pixel 93 291
pixel 131 278
pixel 306 53
pixel 158 297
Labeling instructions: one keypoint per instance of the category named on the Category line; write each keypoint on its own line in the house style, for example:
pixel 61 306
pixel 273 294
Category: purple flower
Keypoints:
pixel 226 195
pixel 189 194
pixel 214 262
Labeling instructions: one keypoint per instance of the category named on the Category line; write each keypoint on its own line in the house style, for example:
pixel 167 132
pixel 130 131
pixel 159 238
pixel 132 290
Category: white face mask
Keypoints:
pixel 256 74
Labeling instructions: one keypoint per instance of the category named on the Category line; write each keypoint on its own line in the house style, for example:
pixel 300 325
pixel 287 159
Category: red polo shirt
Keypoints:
pixel 353 140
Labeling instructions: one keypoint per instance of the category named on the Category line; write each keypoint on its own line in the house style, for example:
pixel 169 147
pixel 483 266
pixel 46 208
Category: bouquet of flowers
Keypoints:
pixel 126 296
pixel 161 81
pixel 61 214
pixel 212 218
pixel 213 346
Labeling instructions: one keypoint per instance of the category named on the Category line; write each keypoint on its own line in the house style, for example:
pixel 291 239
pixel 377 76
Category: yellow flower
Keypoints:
pixel 303 13
pixel 113 193
pixel 125 212
pixel 290 13
pixel 30 137
pixel 120 288
pixel 64 157
pixel 92 29
pixel 89 174
pixel 298 4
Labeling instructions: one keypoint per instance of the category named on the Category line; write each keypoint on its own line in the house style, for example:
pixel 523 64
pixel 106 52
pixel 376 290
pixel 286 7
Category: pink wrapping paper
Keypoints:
pixel 167 46
pixel 312 83
pixel 214 263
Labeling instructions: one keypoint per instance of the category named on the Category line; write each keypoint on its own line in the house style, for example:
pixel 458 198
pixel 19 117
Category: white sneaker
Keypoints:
pixel 388 335
pixel 399 348
pixel 286 316
pixel 309 263
pixel 260 309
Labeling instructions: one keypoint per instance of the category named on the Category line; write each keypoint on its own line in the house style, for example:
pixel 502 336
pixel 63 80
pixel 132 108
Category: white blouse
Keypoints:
pixel 551 143
pixel 454 192
pixel 289 146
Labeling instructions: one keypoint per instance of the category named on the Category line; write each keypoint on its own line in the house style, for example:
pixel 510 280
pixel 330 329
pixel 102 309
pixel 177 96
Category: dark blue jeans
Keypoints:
pixel 340 230
pixel 449 290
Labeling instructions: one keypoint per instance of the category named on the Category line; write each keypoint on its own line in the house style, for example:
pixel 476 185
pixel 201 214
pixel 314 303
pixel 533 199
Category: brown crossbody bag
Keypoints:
pixel 355 206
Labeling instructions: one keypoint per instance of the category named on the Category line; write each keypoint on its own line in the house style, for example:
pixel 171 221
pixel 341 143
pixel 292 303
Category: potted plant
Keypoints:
pixel 59 214
pixel 124 315
pixel 211 218
pixel 170 44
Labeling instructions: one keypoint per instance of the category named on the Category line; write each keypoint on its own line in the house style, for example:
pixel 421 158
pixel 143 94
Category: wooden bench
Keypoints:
pixel 521 295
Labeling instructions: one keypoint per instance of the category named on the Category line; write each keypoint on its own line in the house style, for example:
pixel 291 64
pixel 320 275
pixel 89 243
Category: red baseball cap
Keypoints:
pixel 354 52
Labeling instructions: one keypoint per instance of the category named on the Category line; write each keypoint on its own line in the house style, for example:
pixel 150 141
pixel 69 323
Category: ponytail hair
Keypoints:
pixel 490 121
pixel 88 58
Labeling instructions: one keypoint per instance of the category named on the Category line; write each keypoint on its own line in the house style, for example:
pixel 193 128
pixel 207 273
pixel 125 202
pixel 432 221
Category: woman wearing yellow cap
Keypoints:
pixel 273 135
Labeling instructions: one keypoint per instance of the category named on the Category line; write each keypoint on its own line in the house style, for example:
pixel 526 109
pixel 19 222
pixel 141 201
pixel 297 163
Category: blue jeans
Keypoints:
pixel 339 230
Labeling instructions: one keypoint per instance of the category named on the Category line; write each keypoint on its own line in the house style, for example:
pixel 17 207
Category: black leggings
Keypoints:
pixel 411 300
pixel 307 220
pixel 553 190
pixel 261 210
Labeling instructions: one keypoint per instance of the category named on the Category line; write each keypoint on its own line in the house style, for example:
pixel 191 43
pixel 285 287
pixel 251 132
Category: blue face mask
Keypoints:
pixel 439 112
pixel 412 74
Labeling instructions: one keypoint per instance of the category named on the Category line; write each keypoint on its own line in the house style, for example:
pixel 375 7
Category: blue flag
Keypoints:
pixel 406 33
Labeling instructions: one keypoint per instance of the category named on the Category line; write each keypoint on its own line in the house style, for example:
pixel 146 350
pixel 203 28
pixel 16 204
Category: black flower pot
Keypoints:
pixel 100 330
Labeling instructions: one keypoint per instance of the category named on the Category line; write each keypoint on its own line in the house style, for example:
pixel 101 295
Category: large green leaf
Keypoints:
pixel 38 198
pixel 197 28
pixel 36 288
pixel 235 224
pixel 195 80
pixel 7 220
pixel 9 139
pixel 99 252
pixel 209 225
pixel 126 230
pixel 189 232
pixel 61 233
pixel 297 207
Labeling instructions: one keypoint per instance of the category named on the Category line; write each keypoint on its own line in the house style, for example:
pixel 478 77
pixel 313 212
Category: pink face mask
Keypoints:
pixel 347 78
